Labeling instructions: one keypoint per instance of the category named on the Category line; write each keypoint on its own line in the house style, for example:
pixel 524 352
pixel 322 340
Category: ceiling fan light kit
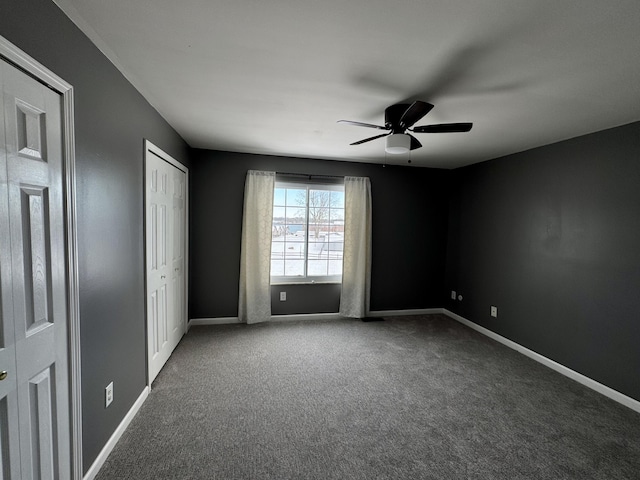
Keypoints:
pixel 398 143
pixel 398 119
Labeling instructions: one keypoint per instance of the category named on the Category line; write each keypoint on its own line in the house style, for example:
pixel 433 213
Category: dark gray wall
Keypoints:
pixel 409 234
pixel 552 237
pixel 111 120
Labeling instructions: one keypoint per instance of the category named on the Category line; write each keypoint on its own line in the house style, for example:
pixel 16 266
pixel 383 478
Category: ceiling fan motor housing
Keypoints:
pixel 392 116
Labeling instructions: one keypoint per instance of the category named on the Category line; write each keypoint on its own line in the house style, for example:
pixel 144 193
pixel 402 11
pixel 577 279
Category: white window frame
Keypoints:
pixel 311 279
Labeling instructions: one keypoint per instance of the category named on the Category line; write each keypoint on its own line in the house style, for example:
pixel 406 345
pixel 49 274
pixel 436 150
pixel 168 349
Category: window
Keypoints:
pixel 307 233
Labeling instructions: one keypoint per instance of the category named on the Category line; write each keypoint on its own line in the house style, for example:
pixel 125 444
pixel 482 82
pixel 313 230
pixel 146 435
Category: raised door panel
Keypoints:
pixel 9 434
pixel 40 404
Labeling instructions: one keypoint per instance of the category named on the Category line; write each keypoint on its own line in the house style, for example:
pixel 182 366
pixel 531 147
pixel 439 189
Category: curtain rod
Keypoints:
pixel 309 177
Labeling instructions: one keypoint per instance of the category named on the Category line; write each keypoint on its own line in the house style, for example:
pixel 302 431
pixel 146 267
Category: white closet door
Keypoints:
pixel 178 283
pixel 165 199
pixel 35 389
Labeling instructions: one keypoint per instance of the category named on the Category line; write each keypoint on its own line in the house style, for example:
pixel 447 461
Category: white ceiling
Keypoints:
pixel 273 77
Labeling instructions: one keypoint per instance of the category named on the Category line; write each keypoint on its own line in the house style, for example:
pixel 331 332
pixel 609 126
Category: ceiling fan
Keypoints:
pixel 399 118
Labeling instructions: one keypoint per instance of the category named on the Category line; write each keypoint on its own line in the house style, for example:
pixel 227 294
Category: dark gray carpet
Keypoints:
pixel 408 398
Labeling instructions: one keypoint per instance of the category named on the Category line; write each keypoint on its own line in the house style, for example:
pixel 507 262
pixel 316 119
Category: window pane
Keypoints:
pixel 336 216
pixel 317 268
pixel 319 199
pixel 337 199
pixel 296 215
pixel 335 267
pixel 279 196
pixel 296 197
pixel 317 233
pixel 335 236
pixel 277 252
pixel 295 233
pixel 277 268
pixel 319 215
pixel 278 214
pixel 294 250
pixel 335 246
pixel 278 233
pixel 316 249
pixel 293 268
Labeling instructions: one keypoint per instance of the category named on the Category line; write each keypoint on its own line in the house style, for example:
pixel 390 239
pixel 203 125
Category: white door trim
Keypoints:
pixel 151 149
pixel 20 59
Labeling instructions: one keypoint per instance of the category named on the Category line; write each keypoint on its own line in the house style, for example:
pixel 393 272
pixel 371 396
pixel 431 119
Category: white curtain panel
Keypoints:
pixel 356 267
pixel 254 304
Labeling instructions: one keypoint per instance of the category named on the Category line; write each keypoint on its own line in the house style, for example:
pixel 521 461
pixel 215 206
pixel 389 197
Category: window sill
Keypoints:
pixel 314 282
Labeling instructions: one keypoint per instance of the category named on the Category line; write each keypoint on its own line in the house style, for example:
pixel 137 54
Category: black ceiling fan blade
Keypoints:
pixel 360 124
pixel 414 142
pixel 443 128
pixel 369 139
pixel 415 112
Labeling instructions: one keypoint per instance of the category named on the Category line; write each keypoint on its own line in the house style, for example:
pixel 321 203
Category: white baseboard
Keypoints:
pixel 305 316
pixel 276 318
pixel 395 313
pixel 621 398
pixel 106 450
pixel 313 316
pixel 213 321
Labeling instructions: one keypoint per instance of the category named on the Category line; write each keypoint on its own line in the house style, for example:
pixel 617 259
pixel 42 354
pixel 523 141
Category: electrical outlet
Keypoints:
pixel 108 395
pixel 453 295
pixel 494 311
pixel 283 296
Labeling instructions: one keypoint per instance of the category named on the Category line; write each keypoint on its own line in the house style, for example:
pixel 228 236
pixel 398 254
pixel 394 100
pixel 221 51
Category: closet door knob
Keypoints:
pixel 3 375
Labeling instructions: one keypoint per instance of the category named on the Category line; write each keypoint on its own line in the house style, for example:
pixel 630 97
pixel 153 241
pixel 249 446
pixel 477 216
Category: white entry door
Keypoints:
pixel 34 384
pixel 166 202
